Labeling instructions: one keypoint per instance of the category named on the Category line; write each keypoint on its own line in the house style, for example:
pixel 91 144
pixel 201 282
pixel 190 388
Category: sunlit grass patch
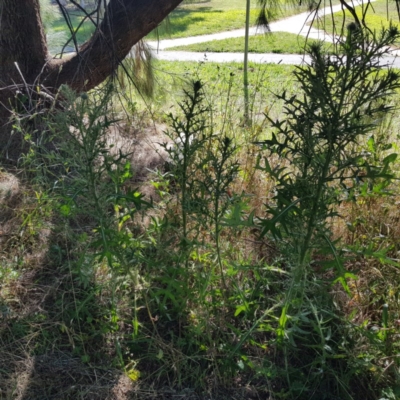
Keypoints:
pixel 265 79
pixel 192 21
pixel 274 42
pixel 380 14
pixel 184 22
pixel 82 27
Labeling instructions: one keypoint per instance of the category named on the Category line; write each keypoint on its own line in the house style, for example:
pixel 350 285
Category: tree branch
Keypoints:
pixel 125 23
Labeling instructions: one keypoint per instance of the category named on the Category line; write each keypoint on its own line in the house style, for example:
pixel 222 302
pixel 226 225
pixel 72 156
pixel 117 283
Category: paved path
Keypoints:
pixel 231 57
pixel 291 59
pixel 296 24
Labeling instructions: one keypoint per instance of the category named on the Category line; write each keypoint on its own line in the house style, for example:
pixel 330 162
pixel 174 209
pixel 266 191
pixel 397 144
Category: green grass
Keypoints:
pixel 212 17
pixel 75 18
pixel 275 75
pixel 274 42
pixel 89 290
pixel 219 4
pixel 204 17
pixel 264 81
pixel 187 20
pixel 380 14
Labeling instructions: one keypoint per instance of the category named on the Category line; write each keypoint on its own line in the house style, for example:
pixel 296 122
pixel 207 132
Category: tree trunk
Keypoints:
pixel 27 70
pixel 23 50
pixel 24 56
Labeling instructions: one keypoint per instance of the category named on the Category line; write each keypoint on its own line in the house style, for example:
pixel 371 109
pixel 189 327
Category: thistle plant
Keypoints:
pixel 189 135
pixel 342 99
pixel 204 167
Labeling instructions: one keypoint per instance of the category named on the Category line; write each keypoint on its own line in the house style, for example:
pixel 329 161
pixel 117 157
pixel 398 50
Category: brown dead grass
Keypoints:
pixel 29 373
pixel 61 376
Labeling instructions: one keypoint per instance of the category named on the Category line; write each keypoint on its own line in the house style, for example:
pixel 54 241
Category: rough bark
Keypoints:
pixel 23 50
pixel 22 41
pixel 125 23
pixel 25 64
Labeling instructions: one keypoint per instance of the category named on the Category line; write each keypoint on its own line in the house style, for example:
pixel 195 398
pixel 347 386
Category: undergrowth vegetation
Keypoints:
pixel 253 262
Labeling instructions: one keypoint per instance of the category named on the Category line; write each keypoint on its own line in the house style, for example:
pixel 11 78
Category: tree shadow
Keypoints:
pixel 52 345
pixel 181 19
pixel 56 334
pixel 54 331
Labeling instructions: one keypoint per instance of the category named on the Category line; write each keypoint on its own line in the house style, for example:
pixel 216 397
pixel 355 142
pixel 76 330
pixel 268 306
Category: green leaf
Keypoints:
pixel 240 309
pixel 391 158
pixel 240 364
pixel 160 354
pixel 371 145
pixel 65 210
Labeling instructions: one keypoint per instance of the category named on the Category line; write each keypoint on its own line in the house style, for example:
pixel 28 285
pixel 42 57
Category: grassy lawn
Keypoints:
pixel 274 42
pixel 219 4
pixel 223 82
pixel 274 76
pixel 213 16
pixel 75 18
pixel 380 14
pixel 192 19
